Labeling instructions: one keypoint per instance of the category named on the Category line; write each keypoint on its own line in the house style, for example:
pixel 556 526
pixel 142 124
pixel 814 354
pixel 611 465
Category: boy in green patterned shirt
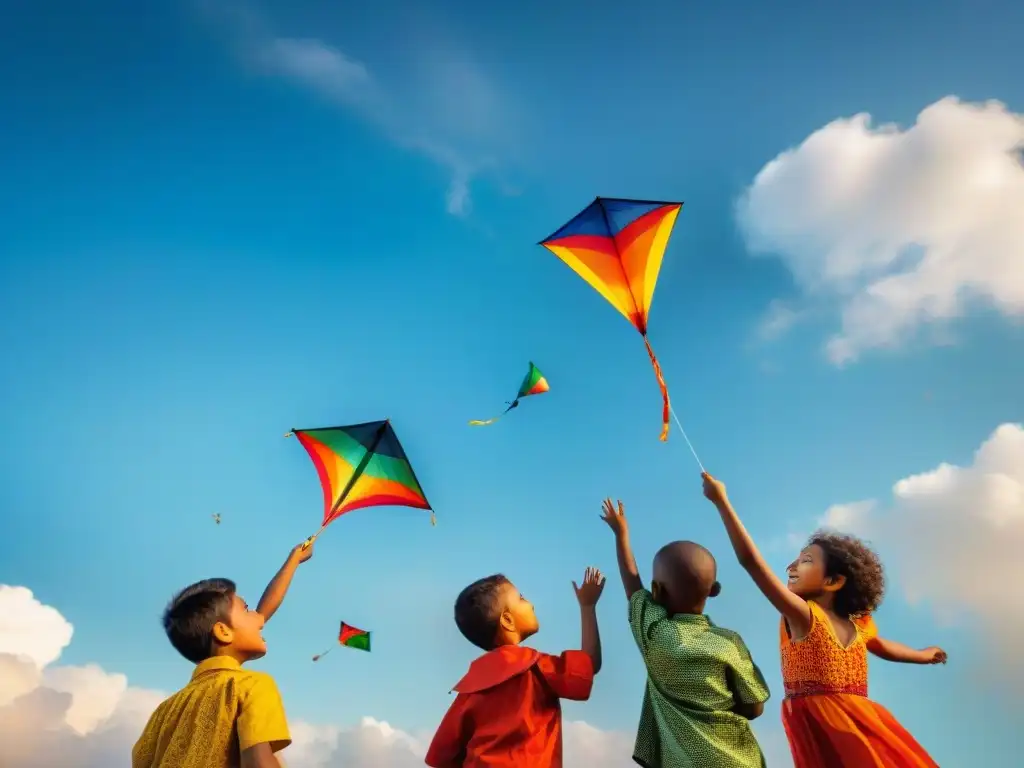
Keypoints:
pixel 703 687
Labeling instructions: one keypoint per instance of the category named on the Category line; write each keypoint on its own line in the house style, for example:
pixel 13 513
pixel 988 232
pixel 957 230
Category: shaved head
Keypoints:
pixel 687 572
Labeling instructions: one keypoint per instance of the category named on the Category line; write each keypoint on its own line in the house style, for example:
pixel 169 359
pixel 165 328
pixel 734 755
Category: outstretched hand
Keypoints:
pixel 615 517
pixel 593 585
pixel 934 655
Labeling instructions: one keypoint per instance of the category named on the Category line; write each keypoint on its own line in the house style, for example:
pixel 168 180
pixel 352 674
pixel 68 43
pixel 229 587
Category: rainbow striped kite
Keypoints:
pixel 350 637
pixel 617 246
pixel 362 465
pixel 533 384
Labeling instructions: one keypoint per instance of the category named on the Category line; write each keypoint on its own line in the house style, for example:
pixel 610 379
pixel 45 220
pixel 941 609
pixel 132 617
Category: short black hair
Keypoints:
pixel 848 556
pixel 478 608
pixel 191 614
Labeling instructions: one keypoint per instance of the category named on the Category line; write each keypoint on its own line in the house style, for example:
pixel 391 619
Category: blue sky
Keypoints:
pixel 202 248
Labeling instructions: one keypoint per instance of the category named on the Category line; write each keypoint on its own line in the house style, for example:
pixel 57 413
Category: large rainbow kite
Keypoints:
pixel 361 465
pixel 617 246
pixel 534 383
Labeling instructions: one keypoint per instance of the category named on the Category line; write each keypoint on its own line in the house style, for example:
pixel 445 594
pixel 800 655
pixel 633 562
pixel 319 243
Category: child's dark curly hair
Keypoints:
pixel 848 556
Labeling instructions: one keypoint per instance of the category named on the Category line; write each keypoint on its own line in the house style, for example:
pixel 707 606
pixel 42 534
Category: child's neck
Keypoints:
pixel 230 653
pixel 826 603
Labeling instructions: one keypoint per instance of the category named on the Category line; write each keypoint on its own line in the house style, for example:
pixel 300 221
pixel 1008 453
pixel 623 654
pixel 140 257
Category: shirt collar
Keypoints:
pixel 693 618
pixel 215 663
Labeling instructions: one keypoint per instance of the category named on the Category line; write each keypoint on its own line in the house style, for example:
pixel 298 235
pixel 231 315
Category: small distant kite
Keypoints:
pixel 533 384
pixel 216 517
pixel 350 637
pixel 361 465
pixel 617 246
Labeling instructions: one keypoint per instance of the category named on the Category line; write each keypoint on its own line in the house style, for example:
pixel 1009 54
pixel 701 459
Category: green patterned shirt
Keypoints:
pixel 696 674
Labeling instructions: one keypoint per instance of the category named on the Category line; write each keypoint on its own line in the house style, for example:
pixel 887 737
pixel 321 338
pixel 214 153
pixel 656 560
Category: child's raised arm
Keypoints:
pixel 616 519
pixel 274 594
pixel 588 594
pixel 793 608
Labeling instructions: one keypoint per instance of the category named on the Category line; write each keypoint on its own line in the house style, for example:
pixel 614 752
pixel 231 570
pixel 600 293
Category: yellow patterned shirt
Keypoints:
pixel 223 710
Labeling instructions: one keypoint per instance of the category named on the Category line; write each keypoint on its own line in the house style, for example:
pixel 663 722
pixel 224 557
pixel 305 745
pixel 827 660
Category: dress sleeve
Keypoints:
pixel 448 747
pixel 745 679
pixel 644 613
pixel 262 718
pixel 571 675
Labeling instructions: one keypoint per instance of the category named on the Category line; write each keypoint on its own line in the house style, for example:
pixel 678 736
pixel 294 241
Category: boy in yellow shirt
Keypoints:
pixel 226 717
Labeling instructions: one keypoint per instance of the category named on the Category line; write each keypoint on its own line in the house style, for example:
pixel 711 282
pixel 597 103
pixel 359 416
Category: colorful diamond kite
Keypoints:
pixel 533 384
pixel 350 637
pixel 362 465
pixel 617 246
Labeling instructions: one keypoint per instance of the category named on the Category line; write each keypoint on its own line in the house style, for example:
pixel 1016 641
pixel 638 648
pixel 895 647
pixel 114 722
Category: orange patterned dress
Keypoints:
pixel 830 721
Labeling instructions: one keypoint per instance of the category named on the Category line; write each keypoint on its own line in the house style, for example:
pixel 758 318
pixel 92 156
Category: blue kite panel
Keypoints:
pixel 622 213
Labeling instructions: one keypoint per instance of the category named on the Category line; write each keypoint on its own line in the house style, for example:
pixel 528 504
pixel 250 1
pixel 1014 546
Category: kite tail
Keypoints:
pixel 511 405
pixel 476 423
pixel 321 655
pixel 662 387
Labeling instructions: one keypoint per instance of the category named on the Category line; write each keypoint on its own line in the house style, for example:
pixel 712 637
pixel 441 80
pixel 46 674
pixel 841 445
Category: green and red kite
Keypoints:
pixel 350 637
pixel 533 384
pixel 361 465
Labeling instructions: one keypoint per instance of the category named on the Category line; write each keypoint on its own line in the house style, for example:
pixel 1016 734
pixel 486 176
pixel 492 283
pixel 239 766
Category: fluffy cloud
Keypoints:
pixel 84 717
pixel 956 535
pixel 902 230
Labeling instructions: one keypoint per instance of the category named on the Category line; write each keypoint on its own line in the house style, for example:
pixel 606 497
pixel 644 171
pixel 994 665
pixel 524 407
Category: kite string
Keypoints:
pixel 687 439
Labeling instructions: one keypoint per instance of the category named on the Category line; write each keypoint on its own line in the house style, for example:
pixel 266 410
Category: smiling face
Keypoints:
pixel 241 637
pixel 807 574
pixel 518 617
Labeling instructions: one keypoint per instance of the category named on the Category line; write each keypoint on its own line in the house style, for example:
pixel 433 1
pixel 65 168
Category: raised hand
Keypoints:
pixel 302 552
pixel 590 591
pixel 615 517
pixel 714 490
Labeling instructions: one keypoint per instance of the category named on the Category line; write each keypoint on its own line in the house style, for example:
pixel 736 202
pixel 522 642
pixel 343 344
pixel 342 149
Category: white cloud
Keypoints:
pixel 955 537
pixel 84 717
pixel 447 109
pixel 29 628
pixel 902 230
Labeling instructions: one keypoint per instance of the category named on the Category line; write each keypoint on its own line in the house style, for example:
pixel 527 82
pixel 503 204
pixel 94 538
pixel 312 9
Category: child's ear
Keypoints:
pixel 222 633
pixel 716 590
pixel 835 583
pixel 506 622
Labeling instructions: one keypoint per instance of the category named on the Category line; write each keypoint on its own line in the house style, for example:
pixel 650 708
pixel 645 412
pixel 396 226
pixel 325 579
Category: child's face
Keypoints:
pixel 246 639
pixel 520 611
pixel 807 573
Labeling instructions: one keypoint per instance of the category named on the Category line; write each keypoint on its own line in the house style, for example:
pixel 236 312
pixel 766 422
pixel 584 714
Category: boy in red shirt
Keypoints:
pixel 508 712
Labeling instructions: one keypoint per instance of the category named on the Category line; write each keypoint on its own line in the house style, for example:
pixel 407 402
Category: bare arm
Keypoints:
pixel 630 574
pixel 591 642
pixel 274 594
pixel 749 711
pixel 587 595
pixel 628 571
pixel 890 650
pixel 792 607
pixel 259 756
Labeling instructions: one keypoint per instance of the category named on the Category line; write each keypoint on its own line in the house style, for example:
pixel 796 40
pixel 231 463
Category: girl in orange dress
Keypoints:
pixel 825 635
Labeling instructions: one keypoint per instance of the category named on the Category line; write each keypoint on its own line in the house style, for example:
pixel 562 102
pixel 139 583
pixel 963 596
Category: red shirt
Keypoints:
pixel 507 713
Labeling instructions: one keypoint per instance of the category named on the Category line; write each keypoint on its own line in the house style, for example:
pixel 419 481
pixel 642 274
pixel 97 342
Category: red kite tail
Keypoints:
pixel 662 387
